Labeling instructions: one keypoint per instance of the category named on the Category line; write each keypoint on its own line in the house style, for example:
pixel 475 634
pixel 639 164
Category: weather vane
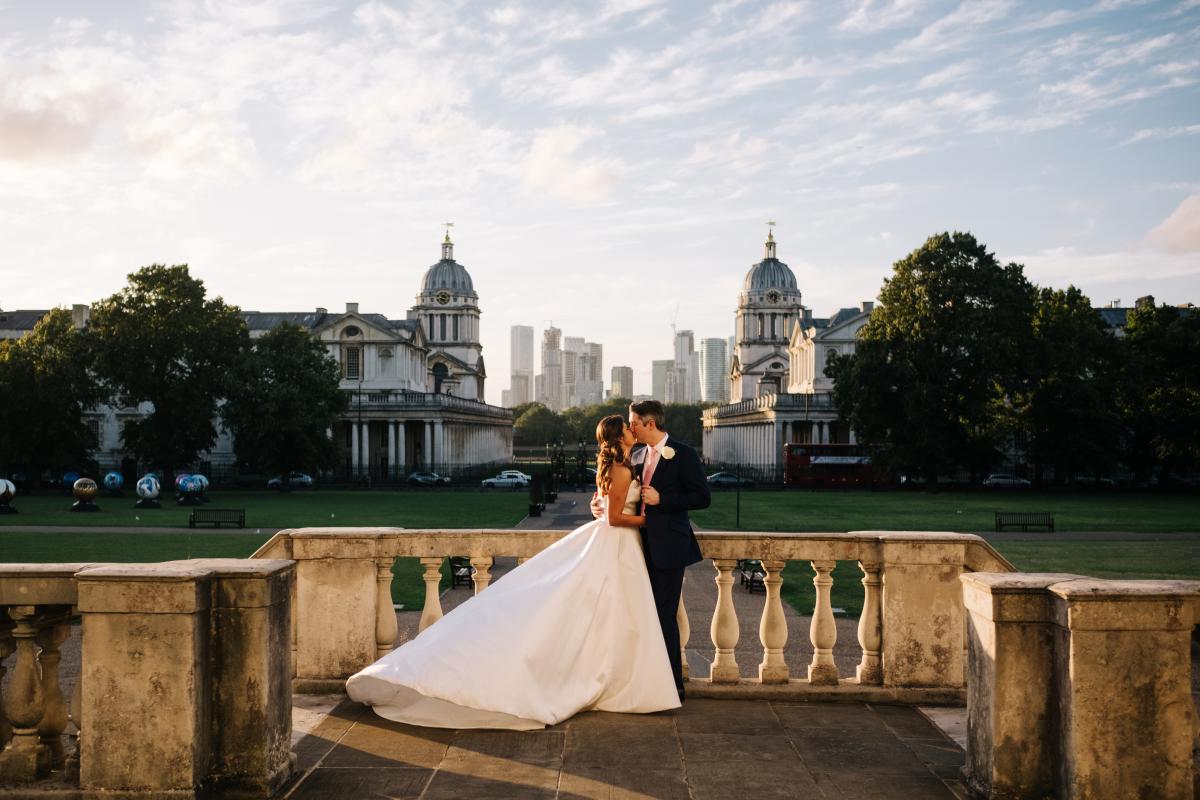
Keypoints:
pixel 770 223
pixel 448 226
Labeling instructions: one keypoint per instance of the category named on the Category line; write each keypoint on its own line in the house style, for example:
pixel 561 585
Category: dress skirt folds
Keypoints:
pixel 573 628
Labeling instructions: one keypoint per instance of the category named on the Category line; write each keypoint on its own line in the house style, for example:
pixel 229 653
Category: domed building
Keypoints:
pixel 448 311
pixel 768 306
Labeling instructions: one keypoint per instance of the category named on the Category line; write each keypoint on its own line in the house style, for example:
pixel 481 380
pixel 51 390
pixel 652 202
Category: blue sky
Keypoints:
pixel 603 162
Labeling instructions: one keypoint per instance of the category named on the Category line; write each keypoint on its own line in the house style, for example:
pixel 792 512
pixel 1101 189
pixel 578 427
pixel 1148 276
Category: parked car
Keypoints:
pixel 428 479
pixel 297 480
pixel 1098 481
pixel 1000 480
pixel 728 479
pixel 509 477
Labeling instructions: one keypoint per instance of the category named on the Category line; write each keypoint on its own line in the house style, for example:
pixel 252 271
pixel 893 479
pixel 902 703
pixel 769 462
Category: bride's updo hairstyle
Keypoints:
pixel 608 436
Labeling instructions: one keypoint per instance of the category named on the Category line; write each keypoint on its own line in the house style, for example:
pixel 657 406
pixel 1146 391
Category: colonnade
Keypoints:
pixel 434 444
pixel 760 442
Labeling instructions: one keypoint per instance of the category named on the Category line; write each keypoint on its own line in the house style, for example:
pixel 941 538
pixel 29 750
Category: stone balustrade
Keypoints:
pixel 184 687
pixel 911 631
pixel 1080 688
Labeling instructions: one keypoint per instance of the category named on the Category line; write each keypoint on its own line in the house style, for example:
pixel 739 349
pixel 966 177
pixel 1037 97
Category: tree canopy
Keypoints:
pixel 162 342
pixel 45 377
pixel 283 395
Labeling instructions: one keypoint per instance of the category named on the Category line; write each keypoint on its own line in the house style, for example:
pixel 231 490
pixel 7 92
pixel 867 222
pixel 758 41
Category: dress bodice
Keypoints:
pixel 633 498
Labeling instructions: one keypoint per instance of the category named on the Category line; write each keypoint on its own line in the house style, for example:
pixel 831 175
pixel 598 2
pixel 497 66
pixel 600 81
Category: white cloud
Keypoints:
pixel 552 166
pixel 948 74
pixel 1059 266
pixel 1172 132
pixel 1180 232
pixel 869 16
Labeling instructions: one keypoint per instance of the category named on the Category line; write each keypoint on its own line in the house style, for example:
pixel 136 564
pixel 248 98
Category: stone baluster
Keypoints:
pixel 870 627
pixel 385 612
pixel 685 633
pixel 724 626
pixel 6 650
pixel 24 759
pixel 432 611
pixel 53 631
pixel 823 632
pixel 483 572
pixel 772 630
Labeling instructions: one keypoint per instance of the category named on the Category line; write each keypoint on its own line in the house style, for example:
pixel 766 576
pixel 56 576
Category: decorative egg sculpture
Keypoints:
pixel 7 490
pixel 113 481
pixel 147 487
pixel 69 478
pixel 84 490
pixel 180 479
pixel 203 481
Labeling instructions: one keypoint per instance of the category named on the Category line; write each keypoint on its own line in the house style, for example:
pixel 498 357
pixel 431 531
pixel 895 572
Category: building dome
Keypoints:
pixel 447 274
pixel 770 273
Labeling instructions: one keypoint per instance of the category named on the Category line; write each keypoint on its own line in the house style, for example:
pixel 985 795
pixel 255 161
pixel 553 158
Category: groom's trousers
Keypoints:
pixel 667 586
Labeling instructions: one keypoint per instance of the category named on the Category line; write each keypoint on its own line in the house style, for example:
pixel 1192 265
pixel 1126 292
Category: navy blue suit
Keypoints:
pixel 667 538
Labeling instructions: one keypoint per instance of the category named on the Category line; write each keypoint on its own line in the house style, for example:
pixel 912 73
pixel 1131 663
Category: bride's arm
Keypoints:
pixel 617 490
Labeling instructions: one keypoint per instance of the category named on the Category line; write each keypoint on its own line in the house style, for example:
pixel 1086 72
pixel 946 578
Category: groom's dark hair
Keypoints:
pixel 649 409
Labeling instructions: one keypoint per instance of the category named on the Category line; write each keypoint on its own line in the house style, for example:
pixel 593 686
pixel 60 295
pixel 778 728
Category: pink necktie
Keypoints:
pixel 651 463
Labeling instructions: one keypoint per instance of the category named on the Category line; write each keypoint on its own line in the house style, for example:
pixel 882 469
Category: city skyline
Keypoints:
pixel 613 164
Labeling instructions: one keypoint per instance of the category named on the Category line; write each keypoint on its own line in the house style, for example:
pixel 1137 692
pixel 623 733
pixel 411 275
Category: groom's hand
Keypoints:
pixel 596 506
pixel 650 495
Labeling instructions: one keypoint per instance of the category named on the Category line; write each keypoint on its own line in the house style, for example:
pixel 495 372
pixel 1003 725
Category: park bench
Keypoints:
pixel 1024 519
pixel 460 571
pixel 752 575
pixel 217 516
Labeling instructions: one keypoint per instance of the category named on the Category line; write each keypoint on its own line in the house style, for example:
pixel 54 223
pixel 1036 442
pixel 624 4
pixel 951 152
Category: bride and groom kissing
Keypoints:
pixel 587 624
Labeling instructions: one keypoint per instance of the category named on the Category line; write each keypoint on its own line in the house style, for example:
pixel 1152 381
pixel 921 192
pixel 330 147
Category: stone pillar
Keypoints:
pixel 772 630
pixel 354 459
pixel 724 628
pixel 481 576
pixel 1011 708
pixel 1123 676
pixel 432 612
pixel 336 596
pixel 146 682
pixel 386 629
pixel 393 463
pixel 250 659
pixel 922 610
pixel 440 457
pixel 366 447
pixel 25 758
pixel 870 629
pixel 822 630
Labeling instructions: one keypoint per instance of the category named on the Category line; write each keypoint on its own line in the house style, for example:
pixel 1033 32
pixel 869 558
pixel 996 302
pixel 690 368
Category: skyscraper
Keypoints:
pixel 660 371
pixel 714 370
pixel 521 376
pixel 552 369
pixel 622 382
pixel 683 385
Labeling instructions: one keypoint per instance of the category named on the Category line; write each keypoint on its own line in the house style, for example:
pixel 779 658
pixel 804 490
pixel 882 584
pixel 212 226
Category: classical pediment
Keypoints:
pixel 762 364
pixel 373 330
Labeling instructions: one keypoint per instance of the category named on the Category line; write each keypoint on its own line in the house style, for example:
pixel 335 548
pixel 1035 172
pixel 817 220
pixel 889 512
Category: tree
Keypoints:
pixel 1066 399
pixel 937 358
pixel 1160 387
pixel 283 394
pixel 45 377
pixel 537 426
pixel 161 342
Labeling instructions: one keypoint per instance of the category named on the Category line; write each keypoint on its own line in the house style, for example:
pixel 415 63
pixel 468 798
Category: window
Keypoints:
pixel 456 329
pixel 352 363
pixel 442 327
pixel 93 426
pixel 351 331
pixel 773 333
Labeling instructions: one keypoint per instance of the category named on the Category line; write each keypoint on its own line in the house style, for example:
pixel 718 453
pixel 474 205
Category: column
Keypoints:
pixel 427 444
pixel 401 449
pixel 366 447
pixel 439 444
pixel 354 462
pixel 393 469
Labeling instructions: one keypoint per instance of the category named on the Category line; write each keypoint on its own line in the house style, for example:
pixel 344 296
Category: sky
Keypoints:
pixel 608 166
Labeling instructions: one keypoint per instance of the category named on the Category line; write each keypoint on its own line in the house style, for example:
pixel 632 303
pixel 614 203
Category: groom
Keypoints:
pixel 672 485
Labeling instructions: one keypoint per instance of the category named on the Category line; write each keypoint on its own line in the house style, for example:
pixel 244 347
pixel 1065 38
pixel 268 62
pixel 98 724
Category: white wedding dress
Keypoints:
pixel 571 629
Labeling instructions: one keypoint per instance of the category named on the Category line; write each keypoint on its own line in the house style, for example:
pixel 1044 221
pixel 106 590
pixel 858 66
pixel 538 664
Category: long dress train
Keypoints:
pixel 573 628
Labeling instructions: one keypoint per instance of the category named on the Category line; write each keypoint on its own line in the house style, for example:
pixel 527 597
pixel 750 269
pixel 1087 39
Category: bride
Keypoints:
pixel 573 628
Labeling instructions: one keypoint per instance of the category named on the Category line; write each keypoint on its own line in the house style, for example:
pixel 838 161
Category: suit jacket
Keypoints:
pixel 667 537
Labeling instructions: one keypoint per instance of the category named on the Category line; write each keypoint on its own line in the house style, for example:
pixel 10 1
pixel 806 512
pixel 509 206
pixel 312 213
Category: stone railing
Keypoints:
pixel 184 683
pixel 911 630
pixel 1080 688
pixel 786 401
pixel 423 401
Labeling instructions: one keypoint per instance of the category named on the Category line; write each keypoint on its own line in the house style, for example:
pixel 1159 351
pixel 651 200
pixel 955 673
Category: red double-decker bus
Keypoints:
pixel 829 466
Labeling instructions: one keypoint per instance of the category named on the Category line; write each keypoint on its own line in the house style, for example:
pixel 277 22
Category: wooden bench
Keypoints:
pixel 217 516
pixel 460 572
pixel 1024 519
pixel 752 575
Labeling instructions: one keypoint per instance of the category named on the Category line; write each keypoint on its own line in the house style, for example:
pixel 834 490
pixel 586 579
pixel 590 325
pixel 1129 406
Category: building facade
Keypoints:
pixel 415 400
pixel 520 384
pixel 714 371
pixel 622 382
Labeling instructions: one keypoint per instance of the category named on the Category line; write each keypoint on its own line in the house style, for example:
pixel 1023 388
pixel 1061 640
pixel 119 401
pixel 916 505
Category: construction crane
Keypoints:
pixel 674 319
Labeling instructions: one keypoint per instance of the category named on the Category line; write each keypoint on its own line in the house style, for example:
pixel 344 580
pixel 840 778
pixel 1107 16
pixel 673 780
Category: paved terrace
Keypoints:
pixel 707 749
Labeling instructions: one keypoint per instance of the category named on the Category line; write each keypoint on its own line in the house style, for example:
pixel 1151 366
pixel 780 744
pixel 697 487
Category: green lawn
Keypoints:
pixel 408 509
pixel 951 511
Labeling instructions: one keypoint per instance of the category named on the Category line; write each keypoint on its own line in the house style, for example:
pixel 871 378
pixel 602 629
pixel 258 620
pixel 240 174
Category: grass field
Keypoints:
pixel 407 509
pixel 953 511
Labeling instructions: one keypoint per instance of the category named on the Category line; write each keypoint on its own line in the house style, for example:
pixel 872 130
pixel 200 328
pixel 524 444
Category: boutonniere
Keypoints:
pixel 668 452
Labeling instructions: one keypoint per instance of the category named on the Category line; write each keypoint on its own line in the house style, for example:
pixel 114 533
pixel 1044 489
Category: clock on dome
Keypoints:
pixel 443 297
pixel 773 296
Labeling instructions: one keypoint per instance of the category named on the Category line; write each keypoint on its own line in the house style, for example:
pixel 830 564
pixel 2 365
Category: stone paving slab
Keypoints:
pixel 707 749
